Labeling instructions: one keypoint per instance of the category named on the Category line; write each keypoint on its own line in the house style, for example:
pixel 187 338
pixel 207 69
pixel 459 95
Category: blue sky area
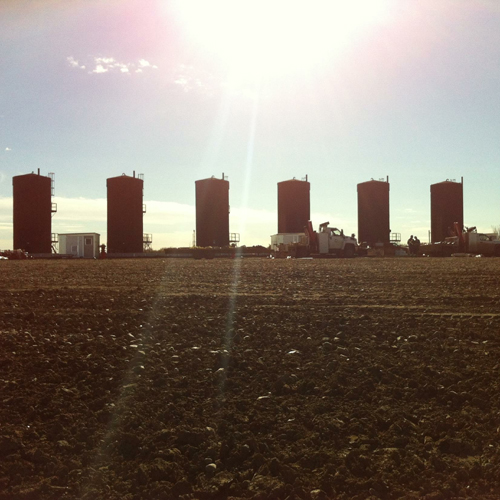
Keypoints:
pixel 262 91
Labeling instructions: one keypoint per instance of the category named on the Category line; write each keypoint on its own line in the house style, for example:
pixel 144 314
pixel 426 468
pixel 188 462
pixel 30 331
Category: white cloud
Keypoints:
pixel 100 65
pixel 80 209
pixel 6 234
pixel 146 64
pixel 8 149
pixel 168 213
pixel 190 78
pixel 104 60
pixel 194 79
pixel 99 69
pixel 6 209
pixel 74 63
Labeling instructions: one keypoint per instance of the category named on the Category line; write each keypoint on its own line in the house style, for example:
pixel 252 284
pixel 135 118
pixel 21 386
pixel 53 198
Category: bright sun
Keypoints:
pixel 275 37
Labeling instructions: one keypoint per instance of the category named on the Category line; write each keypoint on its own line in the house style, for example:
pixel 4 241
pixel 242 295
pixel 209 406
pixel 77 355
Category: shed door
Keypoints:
pixel 88 247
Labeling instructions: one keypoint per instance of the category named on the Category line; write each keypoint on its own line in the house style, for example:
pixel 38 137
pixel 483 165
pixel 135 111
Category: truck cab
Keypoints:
pixel 480 243
pixel 332 240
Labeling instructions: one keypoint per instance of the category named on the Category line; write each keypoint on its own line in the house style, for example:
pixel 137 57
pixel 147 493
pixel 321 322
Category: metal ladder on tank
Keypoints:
pixel 147 240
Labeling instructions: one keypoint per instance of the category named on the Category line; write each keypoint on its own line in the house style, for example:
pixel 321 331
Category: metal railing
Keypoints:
pixel 147 240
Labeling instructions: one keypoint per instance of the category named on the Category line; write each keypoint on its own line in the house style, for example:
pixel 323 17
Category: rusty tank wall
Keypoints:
pixel 125 214
pixel 212 212
pixel 373 212
pixel 294 206
pixel 32 213
pixel 447 207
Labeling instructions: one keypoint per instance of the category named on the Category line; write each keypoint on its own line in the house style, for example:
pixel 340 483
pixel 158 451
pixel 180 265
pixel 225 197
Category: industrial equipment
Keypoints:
pixel 212 212
pixel 373 212
pixel 125 214
pixel 447 207
pixel 467 241
pixel 330 241
pixel 33 211
pixel 293 205
pixel 326 242
pixel 14 254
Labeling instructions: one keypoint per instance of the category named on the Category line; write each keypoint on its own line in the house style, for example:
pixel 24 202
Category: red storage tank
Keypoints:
pixel 447 207
pixel 373 212
pixel 294 207
pixel 125 214
pixel 212 212
pixel 32 213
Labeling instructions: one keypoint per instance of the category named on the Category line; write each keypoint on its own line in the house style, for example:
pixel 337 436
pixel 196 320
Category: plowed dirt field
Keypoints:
pixel 267 379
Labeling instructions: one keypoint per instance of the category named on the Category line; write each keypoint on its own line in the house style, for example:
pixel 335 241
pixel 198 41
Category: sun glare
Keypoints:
pixel 275 37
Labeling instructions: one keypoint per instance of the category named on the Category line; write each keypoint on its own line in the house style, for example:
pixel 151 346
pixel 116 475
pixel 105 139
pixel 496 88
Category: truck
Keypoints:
pixel 330 241
pixel 464 241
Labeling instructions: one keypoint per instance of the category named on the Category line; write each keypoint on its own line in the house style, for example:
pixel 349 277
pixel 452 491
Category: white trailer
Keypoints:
pixel 84 245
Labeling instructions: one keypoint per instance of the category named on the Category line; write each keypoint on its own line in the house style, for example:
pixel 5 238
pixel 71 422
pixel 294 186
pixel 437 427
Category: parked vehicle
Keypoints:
pixel 467 241
pixel 330 241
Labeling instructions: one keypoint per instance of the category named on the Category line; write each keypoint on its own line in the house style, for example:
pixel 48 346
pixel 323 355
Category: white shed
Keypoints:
pixel 79 244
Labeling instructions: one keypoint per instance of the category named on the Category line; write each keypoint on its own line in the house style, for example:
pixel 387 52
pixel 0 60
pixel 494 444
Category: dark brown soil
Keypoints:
pixel 299 379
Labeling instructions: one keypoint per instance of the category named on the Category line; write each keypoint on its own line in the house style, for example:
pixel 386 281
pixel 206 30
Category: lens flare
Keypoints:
pixel 276 37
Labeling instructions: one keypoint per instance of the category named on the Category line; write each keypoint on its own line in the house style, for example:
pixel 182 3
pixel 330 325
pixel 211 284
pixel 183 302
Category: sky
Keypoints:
pixel 260 91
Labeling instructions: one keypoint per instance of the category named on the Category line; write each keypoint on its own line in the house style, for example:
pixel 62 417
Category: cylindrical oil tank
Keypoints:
pixel 125 214
pixel 32 213
pixel 447 207
pixel 294 207
pixel 212 212
pixel 373 212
